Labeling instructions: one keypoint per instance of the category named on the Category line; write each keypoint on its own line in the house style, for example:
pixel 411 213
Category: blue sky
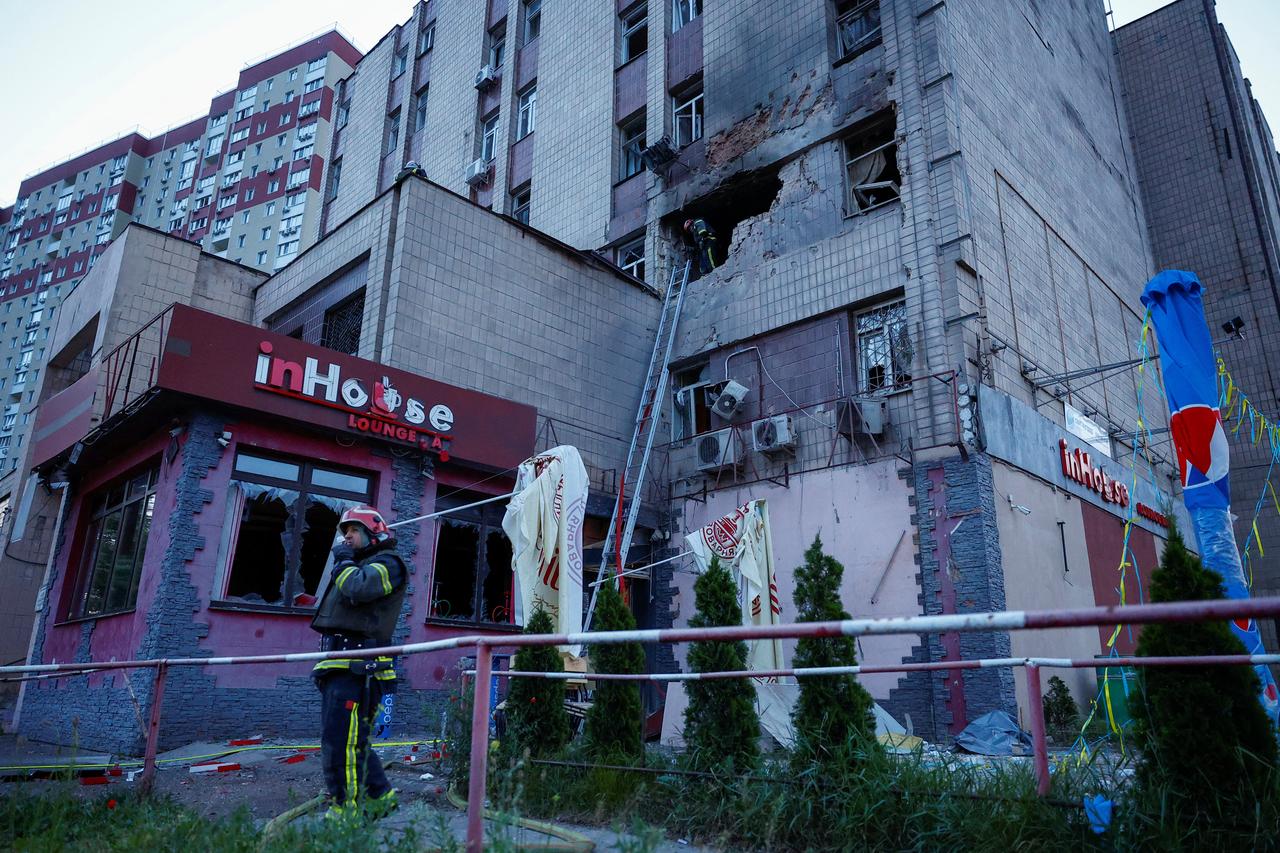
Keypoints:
pixel 80 72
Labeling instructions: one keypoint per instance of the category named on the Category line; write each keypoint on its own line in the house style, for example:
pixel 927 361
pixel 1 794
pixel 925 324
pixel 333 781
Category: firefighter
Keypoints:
pixel 358 611
pixel 700 233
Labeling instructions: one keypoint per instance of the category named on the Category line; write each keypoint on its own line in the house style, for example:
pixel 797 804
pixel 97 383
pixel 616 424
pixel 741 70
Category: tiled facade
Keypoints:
pixel 1211 183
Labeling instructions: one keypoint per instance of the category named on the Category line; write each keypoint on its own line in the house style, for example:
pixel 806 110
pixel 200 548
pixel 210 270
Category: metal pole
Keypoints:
pixel 479 750
pixel 153 731
pixel 452 509
pixel 1035 707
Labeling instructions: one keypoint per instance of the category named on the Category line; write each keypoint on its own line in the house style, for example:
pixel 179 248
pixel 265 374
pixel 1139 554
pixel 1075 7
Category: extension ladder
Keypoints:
pixel 631 484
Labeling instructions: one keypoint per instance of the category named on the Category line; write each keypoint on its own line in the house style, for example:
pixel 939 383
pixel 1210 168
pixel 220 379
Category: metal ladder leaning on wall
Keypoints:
pixel 622 525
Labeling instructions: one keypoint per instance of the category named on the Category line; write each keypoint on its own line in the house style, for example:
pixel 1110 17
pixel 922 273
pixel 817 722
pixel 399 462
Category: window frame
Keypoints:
pixel 856 202
pixel 420 101
pixel 521 203
pixel 391 138
pixel 489 137
pixel 631 145
pixel 532 24
pixel 899 376
pixel 678 10
pixel 527 111
pixel 427 38
pixel 856 10
pixel 693 100
pixel 631 21
pixel 635 266
pixel 292 583
pixel 91 526
pixel 488 520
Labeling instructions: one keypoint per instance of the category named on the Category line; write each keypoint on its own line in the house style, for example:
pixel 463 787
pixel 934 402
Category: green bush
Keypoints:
pixel 833 711
pixel 1060 712
pixel 613 729
pixel 720 723
pixel 1207 749
pixel 536 720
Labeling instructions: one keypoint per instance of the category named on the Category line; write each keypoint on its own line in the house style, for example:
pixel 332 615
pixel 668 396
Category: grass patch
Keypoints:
pixel 59 820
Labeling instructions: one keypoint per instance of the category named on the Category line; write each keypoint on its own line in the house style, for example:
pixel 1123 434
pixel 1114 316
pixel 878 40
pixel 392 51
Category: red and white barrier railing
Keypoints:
pixel 1016 620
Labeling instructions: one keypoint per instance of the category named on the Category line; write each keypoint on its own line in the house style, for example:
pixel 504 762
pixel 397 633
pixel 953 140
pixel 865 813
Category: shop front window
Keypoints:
pixel 282 517
pixel 115 545
pixel 472 579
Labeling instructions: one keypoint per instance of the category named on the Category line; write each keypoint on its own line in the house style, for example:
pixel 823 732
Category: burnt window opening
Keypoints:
pixel 742 197
pixel 472 579
pixel 342 324
pixel 857 26
pixel 871 167
pixel 282 518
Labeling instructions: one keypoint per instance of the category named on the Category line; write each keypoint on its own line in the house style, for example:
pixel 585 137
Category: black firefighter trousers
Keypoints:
pixel 352 770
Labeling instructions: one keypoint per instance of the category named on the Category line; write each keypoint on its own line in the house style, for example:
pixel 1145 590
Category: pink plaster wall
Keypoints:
pixel 860 512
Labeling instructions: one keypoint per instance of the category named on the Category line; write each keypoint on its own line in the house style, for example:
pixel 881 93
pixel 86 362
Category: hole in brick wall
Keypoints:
pixel 740 198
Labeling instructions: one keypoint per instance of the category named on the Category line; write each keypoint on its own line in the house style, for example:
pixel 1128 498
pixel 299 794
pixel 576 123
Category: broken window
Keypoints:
pixel 282 518
pixel 884 347
pixel 632 141
pixel 871 168
pixel 342 323
pixel 690 411
pixel 635 32
pixel 115 544
pixel 857 25
pixel 684 11
pixel 472 579
pixel 686 114
pixel 630 257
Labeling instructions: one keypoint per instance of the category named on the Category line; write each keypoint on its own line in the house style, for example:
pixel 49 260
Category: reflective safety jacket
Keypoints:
pixel 363 601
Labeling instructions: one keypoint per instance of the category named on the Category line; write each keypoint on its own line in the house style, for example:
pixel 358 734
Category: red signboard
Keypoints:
pixel 219 359
pixel 1076 465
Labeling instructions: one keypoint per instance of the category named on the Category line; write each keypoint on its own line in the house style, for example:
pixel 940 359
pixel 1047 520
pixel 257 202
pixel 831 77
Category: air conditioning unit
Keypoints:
pixel 729 397
pixel 486 77
pixel 861 416
pixel 776 434
pixel 717 451
pixel 477 173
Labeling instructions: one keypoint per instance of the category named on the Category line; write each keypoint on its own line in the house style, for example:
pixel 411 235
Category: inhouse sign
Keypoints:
pixel 371 407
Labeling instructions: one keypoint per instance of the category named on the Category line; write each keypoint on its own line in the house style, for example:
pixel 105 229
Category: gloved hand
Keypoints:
pixel 343 553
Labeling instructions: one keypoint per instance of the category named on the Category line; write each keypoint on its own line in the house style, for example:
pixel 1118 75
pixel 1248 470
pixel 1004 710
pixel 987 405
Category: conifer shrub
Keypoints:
pixel 613 731
pixel 1060 712
pixel 833 714
pixel 536 719
pixel 720 723
pixel 1208 752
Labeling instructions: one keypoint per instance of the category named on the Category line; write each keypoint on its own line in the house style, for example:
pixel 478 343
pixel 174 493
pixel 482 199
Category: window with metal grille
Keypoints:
pixel 342 325
pixel 884 347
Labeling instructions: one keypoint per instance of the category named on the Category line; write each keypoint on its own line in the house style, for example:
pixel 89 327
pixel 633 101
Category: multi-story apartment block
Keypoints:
pixel 242 181
pixel 1210 178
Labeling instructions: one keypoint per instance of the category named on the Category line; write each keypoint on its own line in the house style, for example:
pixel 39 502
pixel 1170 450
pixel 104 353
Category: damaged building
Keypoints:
pixel 929 236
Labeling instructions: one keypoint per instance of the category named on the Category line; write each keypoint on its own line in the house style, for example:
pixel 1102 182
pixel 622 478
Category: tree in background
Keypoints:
pixel 1060 711
pixel 833 713
pixel 613 728
pixel 1202 733
pixel 536 719
pixel 720 723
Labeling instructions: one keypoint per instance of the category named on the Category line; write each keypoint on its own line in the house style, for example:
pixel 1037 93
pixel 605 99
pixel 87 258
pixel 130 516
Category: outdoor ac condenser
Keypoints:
pixel 717 450
pixel 861 416
pixel 477 173
pixel 775 434
pixel 486 77
pixel 729 399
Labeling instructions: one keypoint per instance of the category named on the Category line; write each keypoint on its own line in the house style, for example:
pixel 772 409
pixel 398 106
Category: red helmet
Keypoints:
pixel 368 518
pixel 688 223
